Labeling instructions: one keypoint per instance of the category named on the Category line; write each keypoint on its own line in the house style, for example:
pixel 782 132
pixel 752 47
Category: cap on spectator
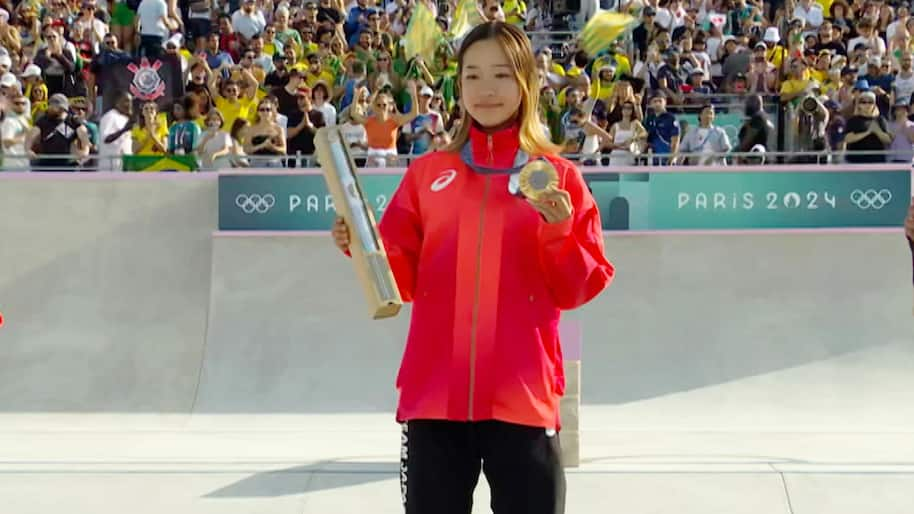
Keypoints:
pixel 648 11
pixel 8 80
pixel 772 35
pixel 869 95
pixel 875 61
pixel 32 70
pixel 4 15
pixel 760 44
pixel 59 100
pixel 848 70
pixel 426 91
pixel 902 102
pixel 831 104
pixel 862 85
pixel 798 21
pixel 175 40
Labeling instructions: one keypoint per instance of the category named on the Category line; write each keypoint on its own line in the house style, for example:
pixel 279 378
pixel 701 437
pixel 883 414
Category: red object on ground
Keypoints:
pixel 1 319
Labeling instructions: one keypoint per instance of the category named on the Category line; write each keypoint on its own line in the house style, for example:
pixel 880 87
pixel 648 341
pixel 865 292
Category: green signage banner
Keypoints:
pixel 686 200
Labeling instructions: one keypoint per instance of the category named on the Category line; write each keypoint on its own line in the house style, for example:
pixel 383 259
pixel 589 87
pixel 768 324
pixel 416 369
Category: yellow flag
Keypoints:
pixel 465 18
pixel 604 28
pixel 422 35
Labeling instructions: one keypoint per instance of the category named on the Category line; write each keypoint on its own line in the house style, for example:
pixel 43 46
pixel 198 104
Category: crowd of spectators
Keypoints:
pixel 693 81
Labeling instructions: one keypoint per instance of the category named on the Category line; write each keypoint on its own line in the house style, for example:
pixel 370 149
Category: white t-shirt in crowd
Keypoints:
pixel 151 13
pixel 329 113
pixel 904 87
pixel 112 122
pixel 14 126
pixel 247 25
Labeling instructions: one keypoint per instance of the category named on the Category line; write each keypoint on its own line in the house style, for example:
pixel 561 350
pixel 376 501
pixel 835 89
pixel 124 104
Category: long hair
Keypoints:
pixel 533 135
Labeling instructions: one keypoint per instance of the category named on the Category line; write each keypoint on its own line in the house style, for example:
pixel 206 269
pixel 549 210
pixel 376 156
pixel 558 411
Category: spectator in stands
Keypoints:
pixel 425 131
pixel 155 25
pixel 303 124
pixel 184 133
pixel 115 133
pixel 866 131
pixel 706 139
pixel 662 131
pixel 57 142
pixel 14 130
pixel 812 120
pixel 627 137
pixel 383 125
pixel 265 137
pixel 216 146
pixel 755 131
pixel 150 134
pixel 902 131
pixel 836 127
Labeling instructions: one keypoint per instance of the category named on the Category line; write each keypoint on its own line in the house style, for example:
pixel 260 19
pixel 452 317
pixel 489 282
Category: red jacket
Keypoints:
pixel 487 277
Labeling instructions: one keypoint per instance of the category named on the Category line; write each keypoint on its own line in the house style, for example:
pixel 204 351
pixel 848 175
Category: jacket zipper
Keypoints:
pixel 478 284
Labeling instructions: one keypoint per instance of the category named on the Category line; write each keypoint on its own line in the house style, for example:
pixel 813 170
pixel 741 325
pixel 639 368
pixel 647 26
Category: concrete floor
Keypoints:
pixel 147 366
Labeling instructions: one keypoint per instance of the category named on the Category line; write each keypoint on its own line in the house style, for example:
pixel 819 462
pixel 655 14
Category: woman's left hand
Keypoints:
pixel 554 205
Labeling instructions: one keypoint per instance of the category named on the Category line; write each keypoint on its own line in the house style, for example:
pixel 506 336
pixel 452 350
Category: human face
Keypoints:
pixel 212 121
pixel 707 116
pixel 265 110
pixel 19 105
pixel 491 93
pixel 150 111
pixel 658 104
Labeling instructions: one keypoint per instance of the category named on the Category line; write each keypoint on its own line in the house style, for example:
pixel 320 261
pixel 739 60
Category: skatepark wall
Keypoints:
pixel 120 296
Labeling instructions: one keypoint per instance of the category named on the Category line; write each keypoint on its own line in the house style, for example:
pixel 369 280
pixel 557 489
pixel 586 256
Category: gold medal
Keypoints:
pixel 536 178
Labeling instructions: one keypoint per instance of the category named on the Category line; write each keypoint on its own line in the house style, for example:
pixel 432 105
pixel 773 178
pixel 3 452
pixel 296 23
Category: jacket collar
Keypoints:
pixel 497 149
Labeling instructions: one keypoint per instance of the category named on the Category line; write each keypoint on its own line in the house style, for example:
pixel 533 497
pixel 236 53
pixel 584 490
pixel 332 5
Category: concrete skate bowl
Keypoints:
pixel 119 298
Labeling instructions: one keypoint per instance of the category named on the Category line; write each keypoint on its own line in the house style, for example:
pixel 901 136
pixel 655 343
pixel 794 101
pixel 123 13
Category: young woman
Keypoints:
pixel 150 134
pixel 216 146
pixel 265 137
pixel 627 136
pixel 488 273
pixel 184 133
pixel 383 125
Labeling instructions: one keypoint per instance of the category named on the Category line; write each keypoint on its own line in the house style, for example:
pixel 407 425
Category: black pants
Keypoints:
pixel 440 463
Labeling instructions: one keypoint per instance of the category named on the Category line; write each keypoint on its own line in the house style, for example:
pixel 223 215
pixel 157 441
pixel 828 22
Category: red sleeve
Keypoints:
pixel 401 231
pixel 571 252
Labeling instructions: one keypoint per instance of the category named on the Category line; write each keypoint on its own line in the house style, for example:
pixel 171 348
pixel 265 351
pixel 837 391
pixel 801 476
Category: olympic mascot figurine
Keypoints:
pixel 490 239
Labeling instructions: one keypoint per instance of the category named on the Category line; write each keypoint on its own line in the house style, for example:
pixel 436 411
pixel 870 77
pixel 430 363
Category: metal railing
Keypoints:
pixel 96 163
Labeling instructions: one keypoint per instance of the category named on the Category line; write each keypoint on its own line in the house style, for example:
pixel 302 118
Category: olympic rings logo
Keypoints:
pixel 871 199
pixel 250 204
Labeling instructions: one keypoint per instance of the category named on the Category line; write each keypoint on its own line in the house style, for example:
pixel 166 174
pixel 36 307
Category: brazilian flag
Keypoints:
pixel 160 163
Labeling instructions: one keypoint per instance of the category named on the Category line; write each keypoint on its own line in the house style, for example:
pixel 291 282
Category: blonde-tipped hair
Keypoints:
pixel 514 42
